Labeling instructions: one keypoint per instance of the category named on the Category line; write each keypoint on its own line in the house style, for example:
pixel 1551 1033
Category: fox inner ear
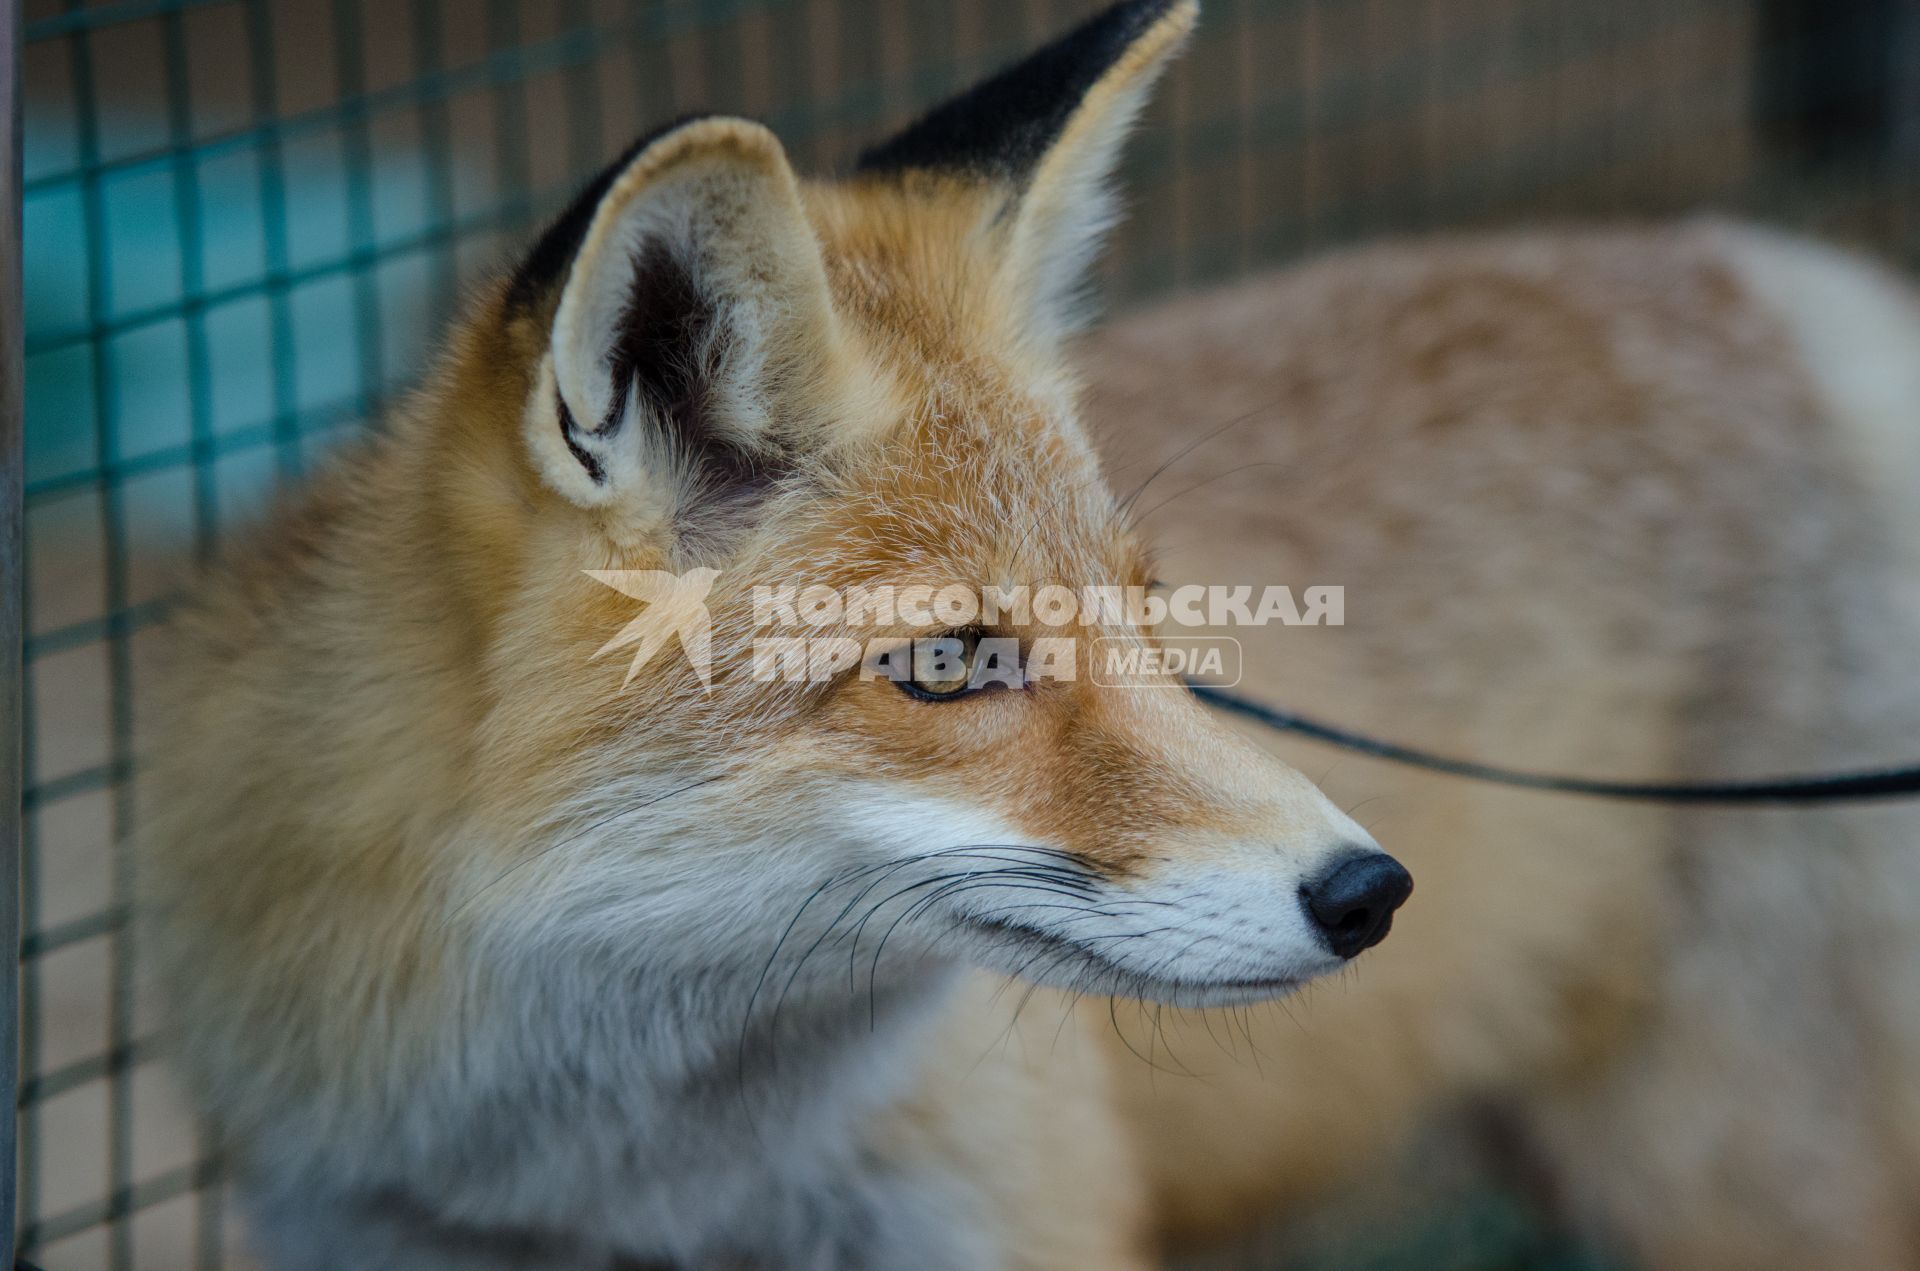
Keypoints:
pixel 693 330
pixel 1048 132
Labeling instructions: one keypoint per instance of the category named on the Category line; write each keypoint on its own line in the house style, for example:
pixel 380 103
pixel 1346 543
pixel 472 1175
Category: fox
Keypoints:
pixel 485 949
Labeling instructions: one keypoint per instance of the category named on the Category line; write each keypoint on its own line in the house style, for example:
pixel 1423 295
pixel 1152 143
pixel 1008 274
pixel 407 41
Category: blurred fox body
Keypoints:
pixel 1637 503
pixel 481 960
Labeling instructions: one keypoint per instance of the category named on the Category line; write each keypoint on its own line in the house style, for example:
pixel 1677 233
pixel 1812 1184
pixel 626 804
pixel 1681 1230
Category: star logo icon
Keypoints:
pixel 676 608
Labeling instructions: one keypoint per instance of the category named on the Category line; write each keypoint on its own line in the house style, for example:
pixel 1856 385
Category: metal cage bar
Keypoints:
pixel 12 656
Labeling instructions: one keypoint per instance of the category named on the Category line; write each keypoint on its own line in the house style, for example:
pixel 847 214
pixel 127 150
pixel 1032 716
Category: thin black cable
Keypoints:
pixel 1837 787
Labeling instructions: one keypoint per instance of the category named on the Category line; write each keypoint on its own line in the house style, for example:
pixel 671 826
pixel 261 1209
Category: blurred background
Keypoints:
pixel 246 219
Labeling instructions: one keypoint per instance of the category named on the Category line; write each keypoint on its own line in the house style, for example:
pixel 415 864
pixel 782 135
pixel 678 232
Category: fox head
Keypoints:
pixel 708 364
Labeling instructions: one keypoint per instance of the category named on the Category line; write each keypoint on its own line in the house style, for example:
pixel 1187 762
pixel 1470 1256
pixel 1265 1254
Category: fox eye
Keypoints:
pixel 959 664
pixel 943 666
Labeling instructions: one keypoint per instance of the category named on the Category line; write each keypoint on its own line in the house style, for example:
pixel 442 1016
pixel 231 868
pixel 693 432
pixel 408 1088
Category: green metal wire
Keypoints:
pixel 13 872
pixel 1313 122
pixel 269 137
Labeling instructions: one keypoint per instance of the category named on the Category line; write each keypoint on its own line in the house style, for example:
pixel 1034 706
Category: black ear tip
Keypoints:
pixel 545 265
pixel 1003 126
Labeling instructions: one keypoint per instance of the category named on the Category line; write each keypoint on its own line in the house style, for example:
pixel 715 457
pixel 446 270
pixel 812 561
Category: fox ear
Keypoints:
pixel 692 324
pixel 1047 133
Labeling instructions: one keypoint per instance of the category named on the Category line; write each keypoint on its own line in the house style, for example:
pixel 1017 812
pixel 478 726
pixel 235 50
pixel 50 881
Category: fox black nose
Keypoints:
pixel 1352 904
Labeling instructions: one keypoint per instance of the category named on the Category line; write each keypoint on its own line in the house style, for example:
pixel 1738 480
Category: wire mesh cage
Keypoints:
pixel 245 219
